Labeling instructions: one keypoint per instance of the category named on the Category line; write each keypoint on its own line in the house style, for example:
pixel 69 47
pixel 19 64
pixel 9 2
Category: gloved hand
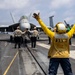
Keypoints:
pixel 36 16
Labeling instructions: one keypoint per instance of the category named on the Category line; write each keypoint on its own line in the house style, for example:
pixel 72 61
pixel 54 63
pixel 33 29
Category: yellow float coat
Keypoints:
pixel 60 42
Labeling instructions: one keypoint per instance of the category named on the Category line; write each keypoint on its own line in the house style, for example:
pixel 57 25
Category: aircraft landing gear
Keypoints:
pixel 11 38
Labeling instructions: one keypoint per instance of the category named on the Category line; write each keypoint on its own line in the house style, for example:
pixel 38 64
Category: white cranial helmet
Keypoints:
pixel 60 28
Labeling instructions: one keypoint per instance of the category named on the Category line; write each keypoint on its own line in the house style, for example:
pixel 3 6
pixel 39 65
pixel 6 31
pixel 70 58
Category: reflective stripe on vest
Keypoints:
pixel 61 42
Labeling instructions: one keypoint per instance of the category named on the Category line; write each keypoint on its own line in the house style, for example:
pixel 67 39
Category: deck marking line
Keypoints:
pixel 10 64
pixel 72 52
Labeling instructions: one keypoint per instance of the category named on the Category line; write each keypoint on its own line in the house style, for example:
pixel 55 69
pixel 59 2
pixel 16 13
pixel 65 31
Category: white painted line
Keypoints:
pixel 43 45
pixel 7 56
pixel 73 45
pixel 72 52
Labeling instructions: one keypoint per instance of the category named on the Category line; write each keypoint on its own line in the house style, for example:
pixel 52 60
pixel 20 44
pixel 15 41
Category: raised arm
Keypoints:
pixel 44 27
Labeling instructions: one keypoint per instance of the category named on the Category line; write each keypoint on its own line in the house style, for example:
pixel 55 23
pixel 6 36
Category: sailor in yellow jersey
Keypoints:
pixel 59 51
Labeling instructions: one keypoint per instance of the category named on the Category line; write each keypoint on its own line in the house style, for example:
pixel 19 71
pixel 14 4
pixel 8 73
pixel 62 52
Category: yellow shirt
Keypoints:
pixel 60 42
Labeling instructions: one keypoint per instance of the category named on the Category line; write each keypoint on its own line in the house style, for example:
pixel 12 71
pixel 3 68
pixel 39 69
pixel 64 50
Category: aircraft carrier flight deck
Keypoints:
pixel 27 60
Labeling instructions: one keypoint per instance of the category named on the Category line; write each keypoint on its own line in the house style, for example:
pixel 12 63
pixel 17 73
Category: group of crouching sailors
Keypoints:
pixel 25 37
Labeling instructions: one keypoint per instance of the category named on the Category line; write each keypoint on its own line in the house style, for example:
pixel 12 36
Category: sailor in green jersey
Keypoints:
pixel 68 29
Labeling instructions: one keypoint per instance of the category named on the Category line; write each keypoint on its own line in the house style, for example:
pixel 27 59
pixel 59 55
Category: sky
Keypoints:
pixel 61 9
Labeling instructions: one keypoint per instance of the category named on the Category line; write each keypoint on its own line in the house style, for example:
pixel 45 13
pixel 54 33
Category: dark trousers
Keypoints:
pixel 70 42
pixel 33 42
pixel 25 42
pixel 65 64
pixel 49 40
pixel 17 41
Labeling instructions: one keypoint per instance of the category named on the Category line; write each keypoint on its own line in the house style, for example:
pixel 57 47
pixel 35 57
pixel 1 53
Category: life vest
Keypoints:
pixel 60 46
pixel 35 33
pixel 17 33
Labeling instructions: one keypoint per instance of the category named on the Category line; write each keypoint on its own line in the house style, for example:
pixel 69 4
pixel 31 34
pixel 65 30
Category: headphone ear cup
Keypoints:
pixel 56 29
